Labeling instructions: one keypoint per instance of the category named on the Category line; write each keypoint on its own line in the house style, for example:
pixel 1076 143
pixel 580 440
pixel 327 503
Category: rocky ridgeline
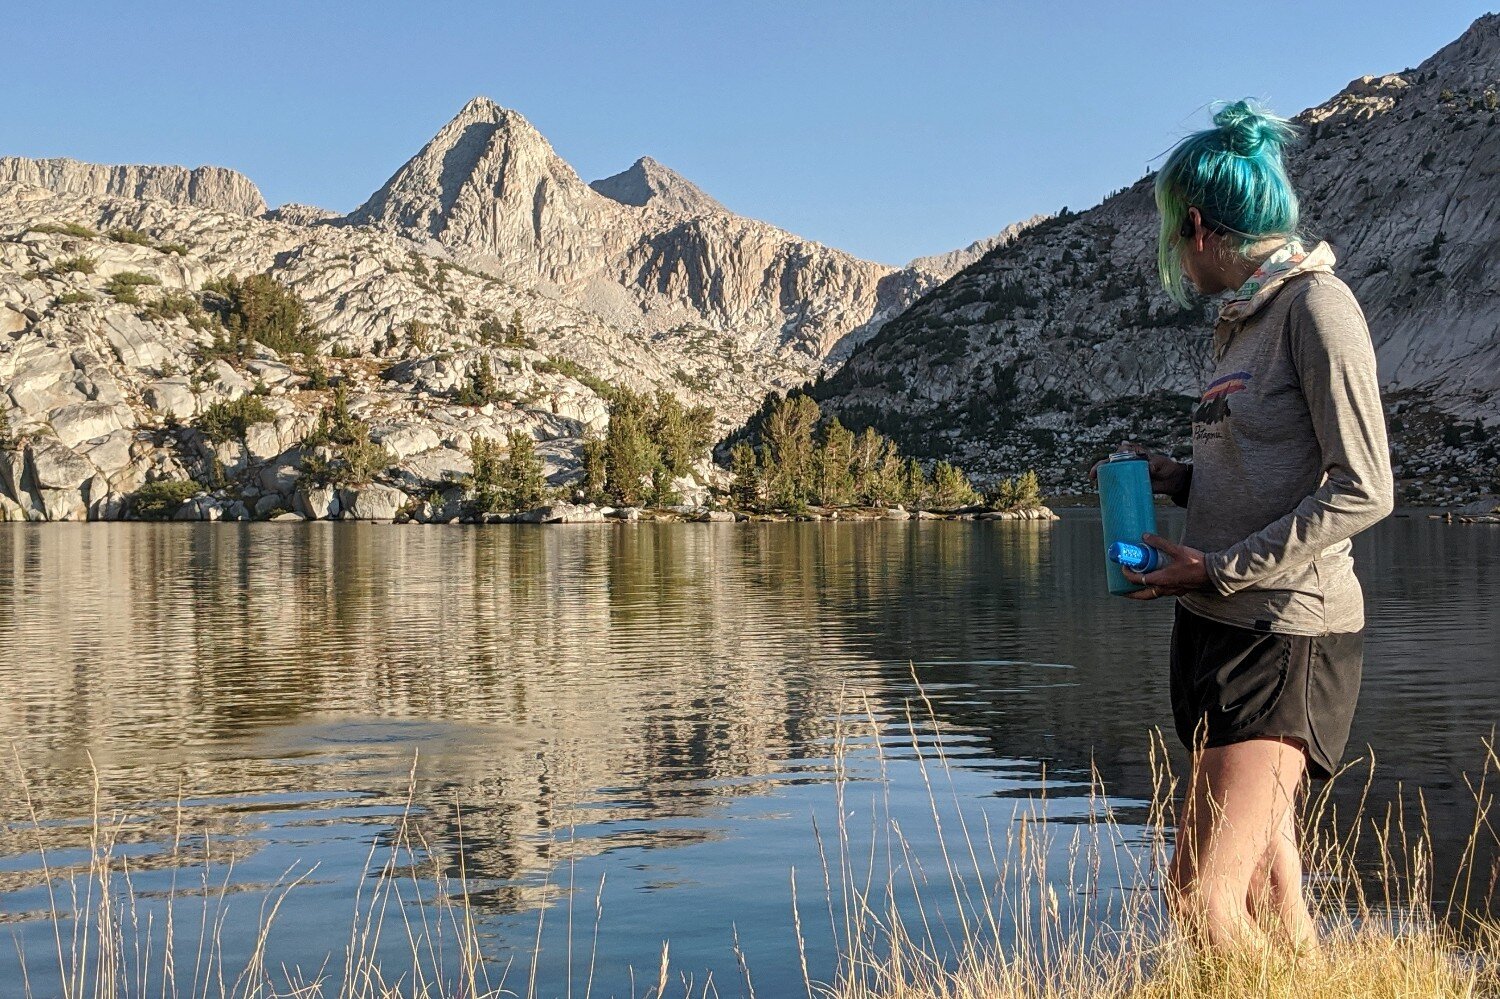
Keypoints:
pixel 1058 343
pixel 202 187
pixel 644 247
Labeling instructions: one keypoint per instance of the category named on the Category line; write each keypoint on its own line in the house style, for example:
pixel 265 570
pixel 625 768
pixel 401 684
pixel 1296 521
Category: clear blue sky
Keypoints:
pixel 887 129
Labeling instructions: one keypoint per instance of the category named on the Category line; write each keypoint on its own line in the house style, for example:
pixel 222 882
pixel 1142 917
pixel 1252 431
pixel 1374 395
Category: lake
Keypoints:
pixel 630 729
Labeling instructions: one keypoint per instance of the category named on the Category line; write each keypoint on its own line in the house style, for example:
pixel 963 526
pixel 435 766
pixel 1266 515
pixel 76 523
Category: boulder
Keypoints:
pixel 110 505
pixel 1481 508
pixel 11 321
pixel 693 492
pixel 200 507
pixel 444 512
pixel 269 504
pixel 229 382
pixel 171 396
pixel 436 467
pixel 86 421
pixel 262 442
pixel 111 453
pixel 12 472
pixel 408 439
pixel 133 342
pixel 54 465
pixel 63 504
pixel 372 502
pixel 715 517
pixel 562 513
pixel 288 517
pixel 896 513
pixel 11 511
pixel 44 381
pixel 316 502
pixel 280 475
pixel 270 372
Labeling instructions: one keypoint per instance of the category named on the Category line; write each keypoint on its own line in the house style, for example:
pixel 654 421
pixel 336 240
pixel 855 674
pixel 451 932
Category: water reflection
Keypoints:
pixel 578 693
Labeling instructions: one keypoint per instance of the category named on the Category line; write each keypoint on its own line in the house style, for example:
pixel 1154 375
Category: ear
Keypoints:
pixel 1195 218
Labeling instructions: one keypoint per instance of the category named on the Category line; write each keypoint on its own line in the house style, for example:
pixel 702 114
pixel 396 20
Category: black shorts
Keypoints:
pixel 1232 684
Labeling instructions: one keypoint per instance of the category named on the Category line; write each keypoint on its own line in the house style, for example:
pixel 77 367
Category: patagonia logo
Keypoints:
pixel 1213 406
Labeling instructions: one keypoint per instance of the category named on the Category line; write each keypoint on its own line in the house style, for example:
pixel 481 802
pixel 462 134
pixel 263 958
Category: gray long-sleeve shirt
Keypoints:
pixel 1289 462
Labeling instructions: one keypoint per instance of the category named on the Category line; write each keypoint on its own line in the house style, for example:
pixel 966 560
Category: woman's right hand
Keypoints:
pixel 1167 475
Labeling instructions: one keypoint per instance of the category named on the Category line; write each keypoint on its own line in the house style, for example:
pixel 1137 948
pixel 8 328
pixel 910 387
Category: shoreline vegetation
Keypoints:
pixel 655 458
pixel 1036 905
pixel 655 461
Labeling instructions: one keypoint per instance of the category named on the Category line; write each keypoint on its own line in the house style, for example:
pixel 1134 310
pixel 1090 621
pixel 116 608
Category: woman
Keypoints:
pixel 1289 461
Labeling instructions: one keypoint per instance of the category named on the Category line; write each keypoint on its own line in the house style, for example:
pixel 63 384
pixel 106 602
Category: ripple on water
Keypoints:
pixel 664 707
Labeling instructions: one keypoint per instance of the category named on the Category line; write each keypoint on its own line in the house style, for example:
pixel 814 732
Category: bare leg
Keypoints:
pixel 1239 822
pixel 1276 897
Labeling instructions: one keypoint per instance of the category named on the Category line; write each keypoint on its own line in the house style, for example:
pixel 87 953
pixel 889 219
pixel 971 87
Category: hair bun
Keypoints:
pixel 1248 129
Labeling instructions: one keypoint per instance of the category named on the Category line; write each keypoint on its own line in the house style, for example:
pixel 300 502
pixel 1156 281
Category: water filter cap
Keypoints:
pixel 1129 555
pixel 1127 456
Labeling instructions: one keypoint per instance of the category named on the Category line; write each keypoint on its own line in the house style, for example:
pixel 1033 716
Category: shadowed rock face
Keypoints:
pixel 1061 341
pixel 202 187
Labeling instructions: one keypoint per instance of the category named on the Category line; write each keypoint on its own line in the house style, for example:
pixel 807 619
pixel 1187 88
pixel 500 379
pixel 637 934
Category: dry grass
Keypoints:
pixel 1035 908
pixel 1099 929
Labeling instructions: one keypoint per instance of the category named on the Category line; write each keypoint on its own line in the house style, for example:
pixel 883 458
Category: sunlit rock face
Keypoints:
pixel 202 187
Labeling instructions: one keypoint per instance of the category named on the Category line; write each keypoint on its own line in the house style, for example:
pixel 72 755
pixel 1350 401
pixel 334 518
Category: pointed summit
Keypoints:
pixel 486 153
pixel 648 183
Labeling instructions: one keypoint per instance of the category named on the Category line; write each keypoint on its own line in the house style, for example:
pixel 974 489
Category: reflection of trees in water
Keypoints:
pixel 604 679
pixel 600 674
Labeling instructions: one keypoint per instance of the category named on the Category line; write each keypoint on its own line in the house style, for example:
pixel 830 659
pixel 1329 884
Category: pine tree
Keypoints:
pixel 523 471
pixel 914 486
pixel 951 487
pixel 595 470
pixel 675 437
pixel 1004 496
pixel 745 488
pixel 890 476
pixel 834 482
pixel 630 455
pixel 506 480
pixel 789 444
pixel 865 466
pixel 481 387
pixel 1028 491
pixel 662 492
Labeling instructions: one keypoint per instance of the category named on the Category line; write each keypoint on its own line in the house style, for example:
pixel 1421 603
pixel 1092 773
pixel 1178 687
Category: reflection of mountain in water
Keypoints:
pixel 622 682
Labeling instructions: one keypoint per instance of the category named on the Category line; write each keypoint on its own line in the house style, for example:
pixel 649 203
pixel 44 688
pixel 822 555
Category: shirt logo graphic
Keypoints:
pixel 1213 407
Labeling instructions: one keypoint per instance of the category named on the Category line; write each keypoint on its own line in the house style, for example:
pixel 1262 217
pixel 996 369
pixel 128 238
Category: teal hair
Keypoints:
pixel 1234 175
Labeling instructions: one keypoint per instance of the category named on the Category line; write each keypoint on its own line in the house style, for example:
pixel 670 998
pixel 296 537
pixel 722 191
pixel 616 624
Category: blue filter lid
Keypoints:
pixel 1132 557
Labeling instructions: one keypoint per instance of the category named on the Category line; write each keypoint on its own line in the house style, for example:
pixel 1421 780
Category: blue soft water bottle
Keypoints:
pixel 1127 510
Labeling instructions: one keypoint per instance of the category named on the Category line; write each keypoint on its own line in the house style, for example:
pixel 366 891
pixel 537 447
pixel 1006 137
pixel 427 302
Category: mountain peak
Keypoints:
pixel 648 183
pixel 484 152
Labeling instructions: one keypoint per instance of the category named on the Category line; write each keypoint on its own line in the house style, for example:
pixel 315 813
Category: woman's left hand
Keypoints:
pixel 1185 574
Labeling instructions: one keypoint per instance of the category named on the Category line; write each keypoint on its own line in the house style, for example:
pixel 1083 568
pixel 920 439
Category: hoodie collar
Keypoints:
pixel 1281 266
